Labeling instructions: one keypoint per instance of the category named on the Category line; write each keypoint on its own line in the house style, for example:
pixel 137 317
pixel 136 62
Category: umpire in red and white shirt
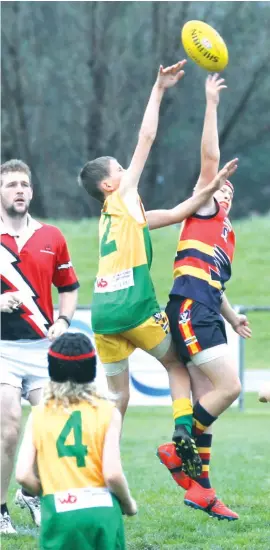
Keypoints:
pixel 33 257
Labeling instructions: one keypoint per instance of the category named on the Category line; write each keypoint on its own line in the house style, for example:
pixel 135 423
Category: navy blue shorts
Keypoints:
pixel 194 327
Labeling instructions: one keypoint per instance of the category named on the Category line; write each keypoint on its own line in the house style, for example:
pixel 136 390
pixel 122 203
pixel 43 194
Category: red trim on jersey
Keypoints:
pixel 196 262
pixel 72 357
pixel 27 318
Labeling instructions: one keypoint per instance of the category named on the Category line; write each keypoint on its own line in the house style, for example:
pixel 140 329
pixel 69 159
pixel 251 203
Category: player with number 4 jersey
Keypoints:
pixel 74 439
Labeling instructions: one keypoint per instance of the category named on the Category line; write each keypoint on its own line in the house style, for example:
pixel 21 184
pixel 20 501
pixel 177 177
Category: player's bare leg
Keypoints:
pixel 178 375
pixel 24 499
pixel 180 391
pixel 222 373
pixel 118 384
pixel 10 430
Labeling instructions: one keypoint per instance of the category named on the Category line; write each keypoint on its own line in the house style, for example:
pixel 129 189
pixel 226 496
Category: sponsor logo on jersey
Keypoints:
pixel 71 499
pixel 78 499
pixel 47 249
pixel 112 283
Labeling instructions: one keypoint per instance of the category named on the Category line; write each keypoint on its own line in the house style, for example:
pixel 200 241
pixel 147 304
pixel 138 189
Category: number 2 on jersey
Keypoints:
pixel 78 450
pixel 106 247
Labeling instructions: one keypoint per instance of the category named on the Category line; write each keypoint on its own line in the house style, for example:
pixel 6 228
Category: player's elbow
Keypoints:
pixel 22 475
pixel 112 476
pixel 211 157
pixel 147 135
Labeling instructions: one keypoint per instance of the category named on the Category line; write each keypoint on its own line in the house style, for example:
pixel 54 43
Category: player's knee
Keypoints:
pixel 236 389
pixel 232 391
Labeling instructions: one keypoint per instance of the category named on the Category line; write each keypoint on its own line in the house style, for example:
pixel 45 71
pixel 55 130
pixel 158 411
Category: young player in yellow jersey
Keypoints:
pixel 72 441
pixel 125 311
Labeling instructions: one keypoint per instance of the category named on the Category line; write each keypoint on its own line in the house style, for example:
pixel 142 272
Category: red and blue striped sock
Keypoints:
pixel 203 443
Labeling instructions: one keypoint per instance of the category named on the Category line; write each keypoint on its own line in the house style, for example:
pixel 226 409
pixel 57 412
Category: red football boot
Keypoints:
pixel 167 456
pixel 205 499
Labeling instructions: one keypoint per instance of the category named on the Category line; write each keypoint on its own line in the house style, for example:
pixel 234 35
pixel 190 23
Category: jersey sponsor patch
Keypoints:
pixel 112 283
pixel 78 499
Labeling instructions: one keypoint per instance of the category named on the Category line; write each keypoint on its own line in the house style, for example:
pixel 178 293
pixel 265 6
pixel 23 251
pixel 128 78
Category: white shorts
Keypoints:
pixel 24 364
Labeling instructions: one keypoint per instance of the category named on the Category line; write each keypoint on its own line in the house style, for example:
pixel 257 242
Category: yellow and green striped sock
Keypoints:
pixel 182 413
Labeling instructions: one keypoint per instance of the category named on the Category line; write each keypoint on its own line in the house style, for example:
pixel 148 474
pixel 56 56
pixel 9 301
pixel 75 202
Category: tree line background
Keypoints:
pixel 76 77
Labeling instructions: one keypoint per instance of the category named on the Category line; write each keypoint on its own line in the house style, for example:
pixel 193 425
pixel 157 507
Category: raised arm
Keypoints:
pixel 166 78
pixel 210 154
pixel 162 218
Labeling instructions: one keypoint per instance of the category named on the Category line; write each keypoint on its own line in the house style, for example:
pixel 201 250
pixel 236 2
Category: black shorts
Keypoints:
pixel 194 327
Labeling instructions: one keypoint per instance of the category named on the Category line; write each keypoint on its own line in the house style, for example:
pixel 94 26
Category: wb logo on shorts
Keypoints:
pixel 184 317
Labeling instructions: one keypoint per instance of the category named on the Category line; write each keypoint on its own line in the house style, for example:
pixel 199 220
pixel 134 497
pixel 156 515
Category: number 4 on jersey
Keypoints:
pixel 77 450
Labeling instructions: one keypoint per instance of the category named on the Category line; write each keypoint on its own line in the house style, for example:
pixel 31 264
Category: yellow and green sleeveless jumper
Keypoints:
pixel 77 510
pixel 124 295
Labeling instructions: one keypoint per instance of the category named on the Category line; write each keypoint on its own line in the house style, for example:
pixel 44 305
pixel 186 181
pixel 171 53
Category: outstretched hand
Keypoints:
pixel 213 86
pixel 169 76
pixel 225 173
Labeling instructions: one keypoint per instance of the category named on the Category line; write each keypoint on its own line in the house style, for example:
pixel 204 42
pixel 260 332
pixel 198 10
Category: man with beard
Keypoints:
pixel 33 257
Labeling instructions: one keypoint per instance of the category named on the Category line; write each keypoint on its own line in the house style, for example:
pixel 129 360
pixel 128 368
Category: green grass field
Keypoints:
pixel 239 470
pixel 249 285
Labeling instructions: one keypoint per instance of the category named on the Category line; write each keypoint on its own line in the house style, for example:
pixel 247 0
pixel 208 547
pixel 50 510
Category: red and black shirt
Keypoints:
pixel 203 260
pixel 30 264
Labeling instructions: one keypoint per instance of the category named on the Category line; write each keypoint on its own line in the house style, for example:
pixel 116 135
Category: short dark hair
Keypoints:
pixel 92 174
pixel 15 165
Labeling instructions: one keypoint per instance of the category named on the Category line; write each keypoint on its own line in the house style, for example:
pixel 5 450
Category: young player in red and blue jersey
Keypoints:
pixel 196 305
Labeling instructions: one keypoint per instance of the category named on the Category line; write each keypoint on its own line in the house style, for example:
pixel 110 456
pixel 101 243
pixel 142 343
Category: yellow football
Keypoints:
pixel 205 46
